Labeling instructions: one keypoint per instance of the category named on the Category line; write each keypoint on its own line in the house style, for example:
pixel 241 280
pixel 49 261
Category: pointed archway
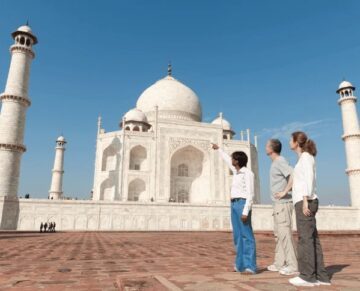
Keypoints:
pixel 189 180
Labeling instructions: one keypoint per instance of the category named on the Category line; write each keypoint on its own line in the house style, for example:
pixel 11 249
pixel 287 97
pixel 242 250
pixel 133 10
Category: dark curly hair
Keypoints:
pixel 241 158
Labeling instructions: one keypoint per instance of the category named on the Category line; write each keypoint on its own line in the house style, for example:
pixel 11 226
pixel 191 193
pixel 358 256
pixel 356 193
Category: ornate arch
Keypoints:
pixel 136 190
pixel 177 143
pixel 138 158
pixel 110 157
pixel 193 186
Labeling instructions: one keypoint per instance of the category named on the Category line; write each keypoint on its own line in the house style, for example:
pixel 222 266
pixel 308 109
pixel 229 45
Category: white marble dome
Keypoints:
pixel 173 98
pixel 345 84
pixel 61 138
pixel 225 124
pixel 135 115
pixel 25 28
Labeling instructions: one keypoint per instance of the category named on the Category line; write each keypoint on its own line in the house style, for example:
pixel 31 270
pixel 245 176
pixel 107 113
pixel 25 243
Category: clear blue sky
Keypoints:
pixel 271 66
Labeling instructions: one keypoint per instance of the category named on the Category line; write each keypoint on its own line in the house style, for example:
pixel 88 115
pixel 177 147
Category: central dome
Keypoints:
pixel 173 98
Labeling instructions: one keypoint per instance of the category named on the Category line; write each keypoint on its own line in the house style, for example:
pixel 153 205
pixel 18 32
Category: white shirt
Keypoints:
pixel 304 180
pixel 242 183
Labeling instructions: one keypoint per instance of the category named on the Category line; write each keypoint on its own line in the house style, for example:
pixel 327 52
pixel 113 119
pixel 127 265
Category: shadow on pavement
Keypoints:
pixel 333 269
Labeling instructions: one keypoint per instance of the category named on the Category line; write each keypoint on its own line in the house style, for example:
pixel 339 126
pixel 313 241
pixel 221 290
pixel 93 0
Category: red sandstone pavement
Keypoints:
pixel 155 261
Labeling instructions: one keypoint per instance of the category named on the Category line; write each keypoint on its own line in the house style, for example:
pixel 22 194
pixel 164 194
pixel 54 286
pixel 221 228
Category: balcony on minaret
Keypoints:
pixel 24 36
pixel 346 90
pixel 24 40
pixel 60 142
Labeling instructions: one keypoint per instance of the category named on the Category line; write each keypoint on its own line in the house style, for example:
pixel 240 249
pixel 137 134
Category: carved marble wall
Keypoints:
pixel 27 214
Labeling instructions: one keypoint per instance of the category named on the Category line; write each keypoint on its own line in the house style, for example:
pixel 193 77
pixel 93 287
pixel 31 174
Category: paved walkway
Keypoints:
pixel 154 261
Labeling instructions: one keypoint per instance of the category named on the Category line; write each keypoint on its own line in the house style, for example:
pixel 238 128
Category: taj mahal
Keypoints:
pixel 158 171
pixel 162 152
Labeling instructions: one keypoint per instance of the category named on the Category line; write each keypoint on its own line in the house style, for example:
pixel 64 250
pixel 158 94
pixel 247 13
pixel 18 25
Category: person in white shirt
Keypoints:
pixel 242 196
pixel 310 255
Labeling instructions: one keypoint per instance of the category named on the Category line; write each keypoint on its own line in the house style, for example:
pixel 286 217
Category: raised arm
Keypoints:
pixel 250 185
pixel 227 160
pixel 225 157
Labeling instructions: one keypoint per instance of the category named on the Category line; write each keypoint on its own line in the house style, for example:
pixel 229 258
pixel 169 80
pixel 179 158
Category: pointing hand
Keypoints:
pixel 215 146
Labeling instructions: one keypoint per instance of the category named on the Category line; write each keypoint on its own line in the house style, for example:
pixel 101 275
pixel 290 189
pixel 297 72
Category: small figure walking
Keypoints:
pixel 41 227
pixel 45 226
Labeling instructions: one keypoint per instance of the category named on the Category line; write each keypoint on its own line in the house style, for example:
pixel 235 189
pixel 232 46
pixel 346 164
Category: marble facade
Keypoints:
pixel 73 215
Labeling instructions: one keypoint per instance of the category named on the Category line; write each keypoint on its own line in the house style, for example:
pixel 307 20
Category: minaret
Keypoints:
pixel 58 170
pixel 351 138
pixel 15 101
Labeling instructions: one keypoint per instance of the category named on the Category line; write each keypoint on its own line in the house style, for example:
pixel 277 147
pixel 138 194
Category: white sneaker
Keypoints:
pixel 318 283
pixel 272 268
pixel 248 272
pixel 236 269
pixel 297 281
pixel 286 271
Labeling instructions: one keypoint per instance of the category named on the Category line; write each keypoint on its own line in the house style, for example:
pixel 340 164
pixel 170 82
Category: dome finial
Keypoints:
pixel 27 22
pixel 169 69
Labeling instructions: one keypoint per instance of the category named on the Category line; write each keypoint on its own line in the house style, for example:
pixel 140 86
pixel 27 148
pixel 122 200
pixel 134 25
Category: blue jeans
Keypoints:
pixel 244 239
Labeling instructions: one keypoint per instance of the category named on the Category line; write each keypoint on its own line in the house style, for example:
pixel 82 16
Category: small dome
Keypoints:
pixel 25 28
pixel 135 115
pixel 173 99
pixel 345 84
pixel 225 124
pixel 61 138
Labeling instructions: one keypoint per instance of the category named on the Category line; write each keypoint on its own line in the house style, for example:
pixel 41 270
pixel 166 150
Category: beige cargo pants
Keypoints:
pixel 285 253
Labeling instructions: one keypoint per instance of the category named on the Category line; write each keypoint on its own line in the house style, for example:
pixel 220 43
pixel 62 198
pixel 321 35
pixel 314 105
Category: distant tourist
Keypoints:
pixel 285 261
pixel 45 226
pixel 41 227
pixel 310 255
pixel 54 226
pixel 242 195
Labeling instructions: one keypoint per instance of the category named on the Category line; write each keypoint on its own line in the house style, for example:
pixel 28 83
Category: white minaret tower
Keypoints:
pixel 351 138
pixel 15 101
pixel 58 170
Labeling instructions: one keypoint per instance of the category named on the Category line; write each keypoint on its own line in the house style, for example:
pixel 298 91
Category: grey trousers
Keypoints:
pixel 311 261
pixel 285 254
